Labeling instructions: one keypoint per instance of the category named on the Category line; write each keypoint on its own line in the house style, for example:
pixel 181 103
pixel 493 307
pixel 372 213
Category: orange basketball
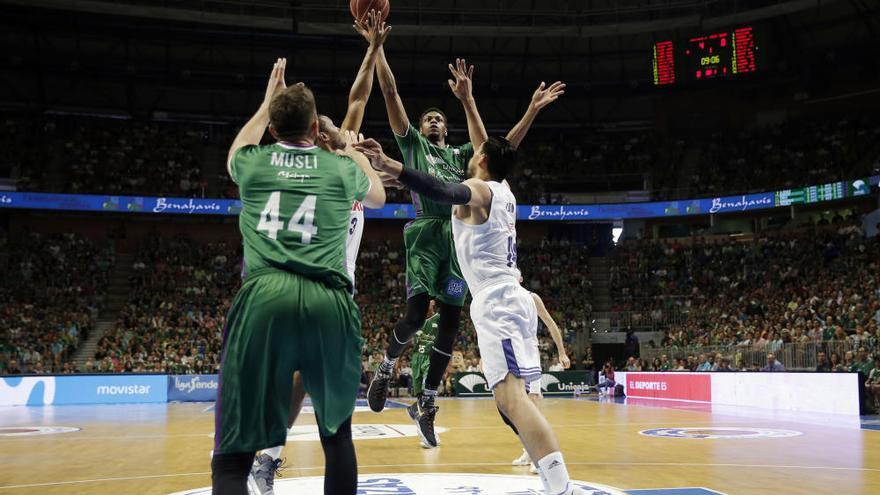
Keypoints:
pixel 360 8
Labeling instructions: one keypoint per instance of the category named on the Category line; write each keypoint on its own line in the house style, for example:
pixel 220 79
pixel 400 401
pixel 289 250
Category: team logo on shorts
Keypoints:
pixel 309 433
pixel 30 431
pixel 455 287
pixel 429 484
pixel 717 433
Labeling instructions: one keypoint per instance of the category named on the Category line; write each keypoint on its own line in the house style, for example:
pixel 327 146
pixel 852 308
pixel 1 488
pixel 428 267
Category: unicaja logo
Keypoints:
pixel 193 383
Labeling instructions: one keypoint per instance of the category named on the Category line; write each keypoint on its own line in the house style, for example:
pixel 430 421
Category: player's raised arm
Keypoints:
pixel 542 97
pixel 375 31
pixel 462 88
pixel 393 104
pixel 252 132
pixel 375 197
pixel 553 329
pixel 472 192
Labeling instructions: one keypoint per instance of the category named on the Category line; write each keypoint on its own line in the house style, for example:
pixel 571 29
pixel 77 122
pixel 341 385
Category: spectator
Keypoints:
pixel 822 364
pixel 773 364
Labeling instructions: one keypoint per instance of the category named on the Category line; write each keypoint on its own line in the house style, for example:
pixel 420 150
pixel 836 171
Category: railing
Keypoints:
pixel 794 356
pixel 641 320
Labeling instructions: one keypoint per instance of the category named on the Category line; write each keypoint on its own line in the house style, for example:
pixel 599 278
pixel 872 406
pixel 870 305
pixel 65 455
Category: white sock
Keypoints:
pixel 553 468
pixel 274 452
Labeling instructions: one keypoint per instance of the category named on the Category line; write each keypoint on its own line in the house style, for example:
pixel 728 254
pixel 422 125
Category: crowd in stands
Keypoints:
pixel 173 320
pixel 51 290
pixel 794 154
pixel 817 285
pixel 117 156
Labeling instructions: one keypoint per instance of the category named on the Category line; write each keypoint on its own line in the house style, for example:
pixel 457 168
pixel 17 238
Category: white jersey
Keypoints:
pixel 487 252
pixel 353 242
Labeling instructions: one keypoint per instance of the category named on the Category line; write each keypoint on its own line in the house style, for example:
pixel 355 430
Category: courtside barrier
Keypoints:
pixel 827 393
pixel 82 389
pixel 473 384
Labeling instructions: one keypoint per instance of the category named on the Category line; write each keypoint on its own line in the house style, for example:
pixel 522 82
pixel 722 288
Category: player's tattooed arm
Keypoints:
pixel 462 88
pixel 553 329
pixel 542 97
pixel 374 30
pixel 393 104
pixel 252 132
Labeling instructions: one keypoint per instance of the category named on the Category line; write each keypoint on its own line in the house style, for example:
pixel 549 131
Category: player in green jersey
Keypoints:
pixel 432 271
pixel 423 341
pixel 331 138
pixel 294 311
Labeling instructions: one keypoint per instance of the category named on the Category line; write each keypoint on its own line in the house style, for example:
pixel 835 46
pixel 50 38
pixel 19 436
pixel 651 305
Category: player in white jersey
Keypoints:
pixel 534 387
pixel 504 313
pixel 331 138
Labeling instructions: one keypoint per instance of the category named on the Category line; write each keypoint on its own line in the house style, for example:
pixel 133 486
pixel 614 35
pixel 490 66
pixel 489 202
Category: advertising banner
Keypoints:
pixel 192 388
pixel 675 386
pixel 473 384
pixel 82 389
pixel 613 211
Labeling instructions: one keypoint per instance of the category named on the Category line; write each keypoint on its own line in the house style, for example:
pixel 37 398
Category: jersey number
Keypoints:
pixel 302 221
pixel 511 251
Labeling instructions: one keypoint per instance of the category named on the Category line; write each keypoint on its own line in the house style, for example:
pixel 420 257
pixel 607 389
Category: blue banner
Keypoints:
pixel 193 388
pixel 614 211
pixel 82 389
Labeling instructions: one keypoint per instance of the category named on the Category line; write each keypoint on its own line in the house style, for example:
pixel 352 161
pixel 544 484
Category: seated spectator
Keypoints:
pixel 872 384
pixel 822 364
pixel 725 365
pixel 773 364
pixel 606 379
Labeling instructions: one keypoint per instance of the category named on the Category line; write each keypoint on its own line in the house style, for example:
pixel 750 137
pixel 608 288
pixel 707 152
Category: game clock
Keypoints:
pixel 710 56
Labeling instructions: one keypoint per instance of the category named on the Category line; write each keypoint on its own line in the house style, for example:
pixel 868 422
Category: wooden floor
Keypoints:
pixel 159 449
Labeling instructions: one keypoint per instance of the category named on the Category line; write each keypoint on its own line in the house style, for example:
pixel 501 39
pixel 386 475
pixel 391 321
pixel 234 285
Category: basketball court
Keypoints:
pixel 640 447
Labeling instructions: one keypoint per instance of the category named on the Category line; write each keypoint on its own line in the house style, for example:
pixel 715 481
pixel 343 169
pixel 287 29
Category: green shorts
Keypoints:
pixel 431 265
pixel 281 322
pixel 420 364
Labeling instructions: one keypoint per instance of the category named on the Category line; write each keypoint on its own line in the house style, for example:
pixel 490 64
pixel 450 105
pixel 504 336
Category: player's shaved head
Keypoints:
pixel 292 113
pixel 329 136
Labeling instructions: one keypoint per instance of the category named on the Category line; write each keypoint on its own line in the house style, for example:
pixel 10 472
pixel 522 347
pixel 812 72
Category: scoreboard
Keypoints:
pixel 710 56
pixel 824 192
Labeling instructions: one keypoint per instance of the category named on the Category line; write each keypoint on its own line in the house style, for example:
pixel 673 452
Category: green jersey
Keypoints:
pixel 423 340
pixel 448 164
pixel 295 208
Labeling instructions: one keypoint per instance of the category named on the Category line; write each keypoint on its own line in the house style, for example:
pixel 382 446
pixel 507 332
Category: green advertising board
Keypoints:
pixel 472 384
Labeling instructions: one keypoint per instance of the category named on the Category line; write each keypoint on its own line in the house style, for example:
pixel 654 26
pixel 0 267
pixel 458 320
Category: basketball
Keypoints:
pixel 360 8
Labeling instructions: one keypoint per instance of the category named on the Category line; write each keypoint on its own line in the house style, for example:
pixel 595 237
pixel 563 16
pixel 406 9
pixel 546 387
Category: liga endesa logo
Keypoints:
pixel 429 484
pixel 719 433
pixel 669 386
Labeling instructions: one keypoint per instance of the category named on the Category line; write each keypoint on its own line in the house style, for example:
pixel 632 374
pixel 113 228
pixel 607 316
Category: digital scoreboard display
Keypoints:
pixel 710 56
pixel 824 192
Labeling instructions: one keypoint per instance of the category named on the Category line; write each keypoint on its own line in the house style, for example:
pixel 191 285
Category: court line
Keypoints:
pixel 465 464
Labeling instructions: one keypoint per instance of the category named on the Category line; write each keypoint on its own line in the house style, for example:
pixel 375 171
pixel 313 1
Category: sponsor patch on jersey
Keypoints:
pixel 31 431
pixel 429 484
pixel 718 433
pixel 455 287
pixel 309 433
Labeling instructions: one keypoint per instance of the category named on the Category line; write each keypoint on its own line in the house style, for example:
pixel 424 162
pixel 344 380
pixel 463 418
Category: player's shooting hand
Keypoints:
pixel 276 80
pixel 373 28
pixel 544 95
pixel 462 86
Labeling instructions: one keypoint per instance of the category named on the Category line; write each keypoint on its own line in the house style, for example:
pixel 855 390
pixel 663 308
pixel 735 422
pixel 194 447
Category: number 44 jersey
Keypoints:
pixel 487 252
pixel 296 204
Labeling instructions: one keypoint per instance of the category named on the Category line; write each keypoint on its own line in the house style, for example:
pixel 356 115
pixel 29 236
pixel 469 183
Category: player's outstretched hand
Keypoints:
pixel 372 28
pixel 372 149
pixel 276 81
pixel 462 86
pixel 544 96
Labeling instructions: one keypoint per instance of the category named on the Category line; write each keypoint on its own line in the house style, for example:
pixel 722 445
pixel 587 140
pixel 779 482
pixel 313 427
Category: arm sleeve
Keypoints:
pixel 434 189
pixel 238 157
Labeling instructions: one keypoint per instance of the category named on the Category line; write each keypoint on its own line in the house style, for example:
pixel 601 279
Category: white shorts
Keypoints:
pixel 506 321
